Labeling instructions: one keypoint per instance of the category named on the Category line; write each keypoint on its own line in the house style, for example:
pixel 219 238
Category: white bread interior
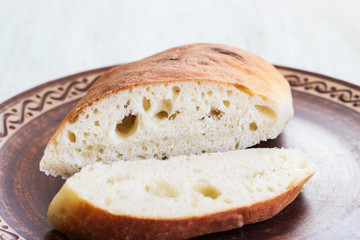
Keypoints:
pixel 163 120
pixel 184 187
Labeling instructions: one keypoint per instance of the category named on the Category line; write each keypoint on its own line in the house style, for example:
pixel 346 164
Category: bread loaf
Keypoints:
pixel 187 100
pixel 182 197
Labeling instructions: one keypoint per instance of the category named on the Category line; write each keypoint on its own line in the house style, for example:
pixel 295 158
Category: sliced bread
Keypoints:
pixel 182 197
pixel 187 100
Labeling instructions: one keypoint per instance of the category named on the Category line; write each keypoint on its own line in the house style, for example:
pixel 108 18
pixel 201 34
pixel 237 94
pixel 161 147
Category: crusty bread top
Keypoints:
pixel 194 62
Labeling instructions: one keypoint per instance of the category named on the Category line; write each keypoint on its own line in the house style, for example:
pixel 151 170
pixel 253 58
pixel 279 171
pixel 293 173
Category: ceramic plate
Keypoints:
pixel 326 125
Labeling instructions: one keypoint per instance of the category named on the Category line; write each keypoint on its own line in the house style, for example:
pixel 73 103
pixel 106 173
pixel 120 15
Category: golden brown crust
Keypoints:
pixel 194 62
pixel 72 215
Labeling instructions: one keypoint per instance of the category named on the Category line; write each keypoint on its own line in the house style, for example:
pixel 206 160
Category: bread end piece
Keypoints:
pixel 71 213
pixel 83 220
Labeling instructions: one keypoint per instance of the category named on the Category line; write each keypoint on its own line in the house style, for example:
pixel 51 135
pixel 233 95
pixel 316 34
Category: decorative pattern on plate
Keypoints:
pixel 7 233
pixel 18 112
pixel 44 100
pixel 332 90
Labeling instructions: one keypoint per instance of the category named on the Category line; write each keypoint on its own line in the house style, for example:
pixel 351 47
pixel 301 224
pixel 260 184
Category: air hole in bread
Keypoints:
pixel 244 90
pixel 216 113
pixel 127 126
pixel 141 156
pixel 87 153
pixel 203 95
pixel 176 91
pixel 266 111
pixel 118 178
pixel 162 115
pixel 209 93
pixel 118 155
pixel 163 189
pixel 253 126
pixel 173 116
pixel 101 150
pixel 146 104
pixel 226 103
pixel 229 93
pixel 229 201
pixel 96 111
pixel 165 109
pixel 167 105
pixel 207 190
pixel 86 134
pixel 96 123
pixel 117 107
pixel 71 136
pixel 197 108
pixel 127 103
pixel 78 150
pixel 74 119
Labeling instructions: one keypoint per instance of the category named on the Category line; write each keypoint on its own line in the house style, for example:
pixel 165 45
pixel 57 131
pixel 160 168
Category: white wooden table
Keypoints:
pixel 46 40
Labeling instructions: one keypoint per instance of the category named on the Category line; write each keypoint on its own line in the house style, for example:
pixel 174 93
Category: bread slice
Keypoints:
pixel 182 197
pixel 187 100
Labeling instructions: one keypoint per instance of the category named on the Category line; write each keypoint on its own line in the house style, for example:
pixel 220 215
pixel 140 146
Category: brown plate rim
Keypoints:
pixel 322 76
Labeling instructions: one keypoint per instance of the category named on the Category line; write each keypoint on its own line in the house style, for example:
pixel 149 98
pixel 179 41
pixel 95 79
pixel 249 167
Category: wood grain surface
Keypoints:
pixel 326 126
